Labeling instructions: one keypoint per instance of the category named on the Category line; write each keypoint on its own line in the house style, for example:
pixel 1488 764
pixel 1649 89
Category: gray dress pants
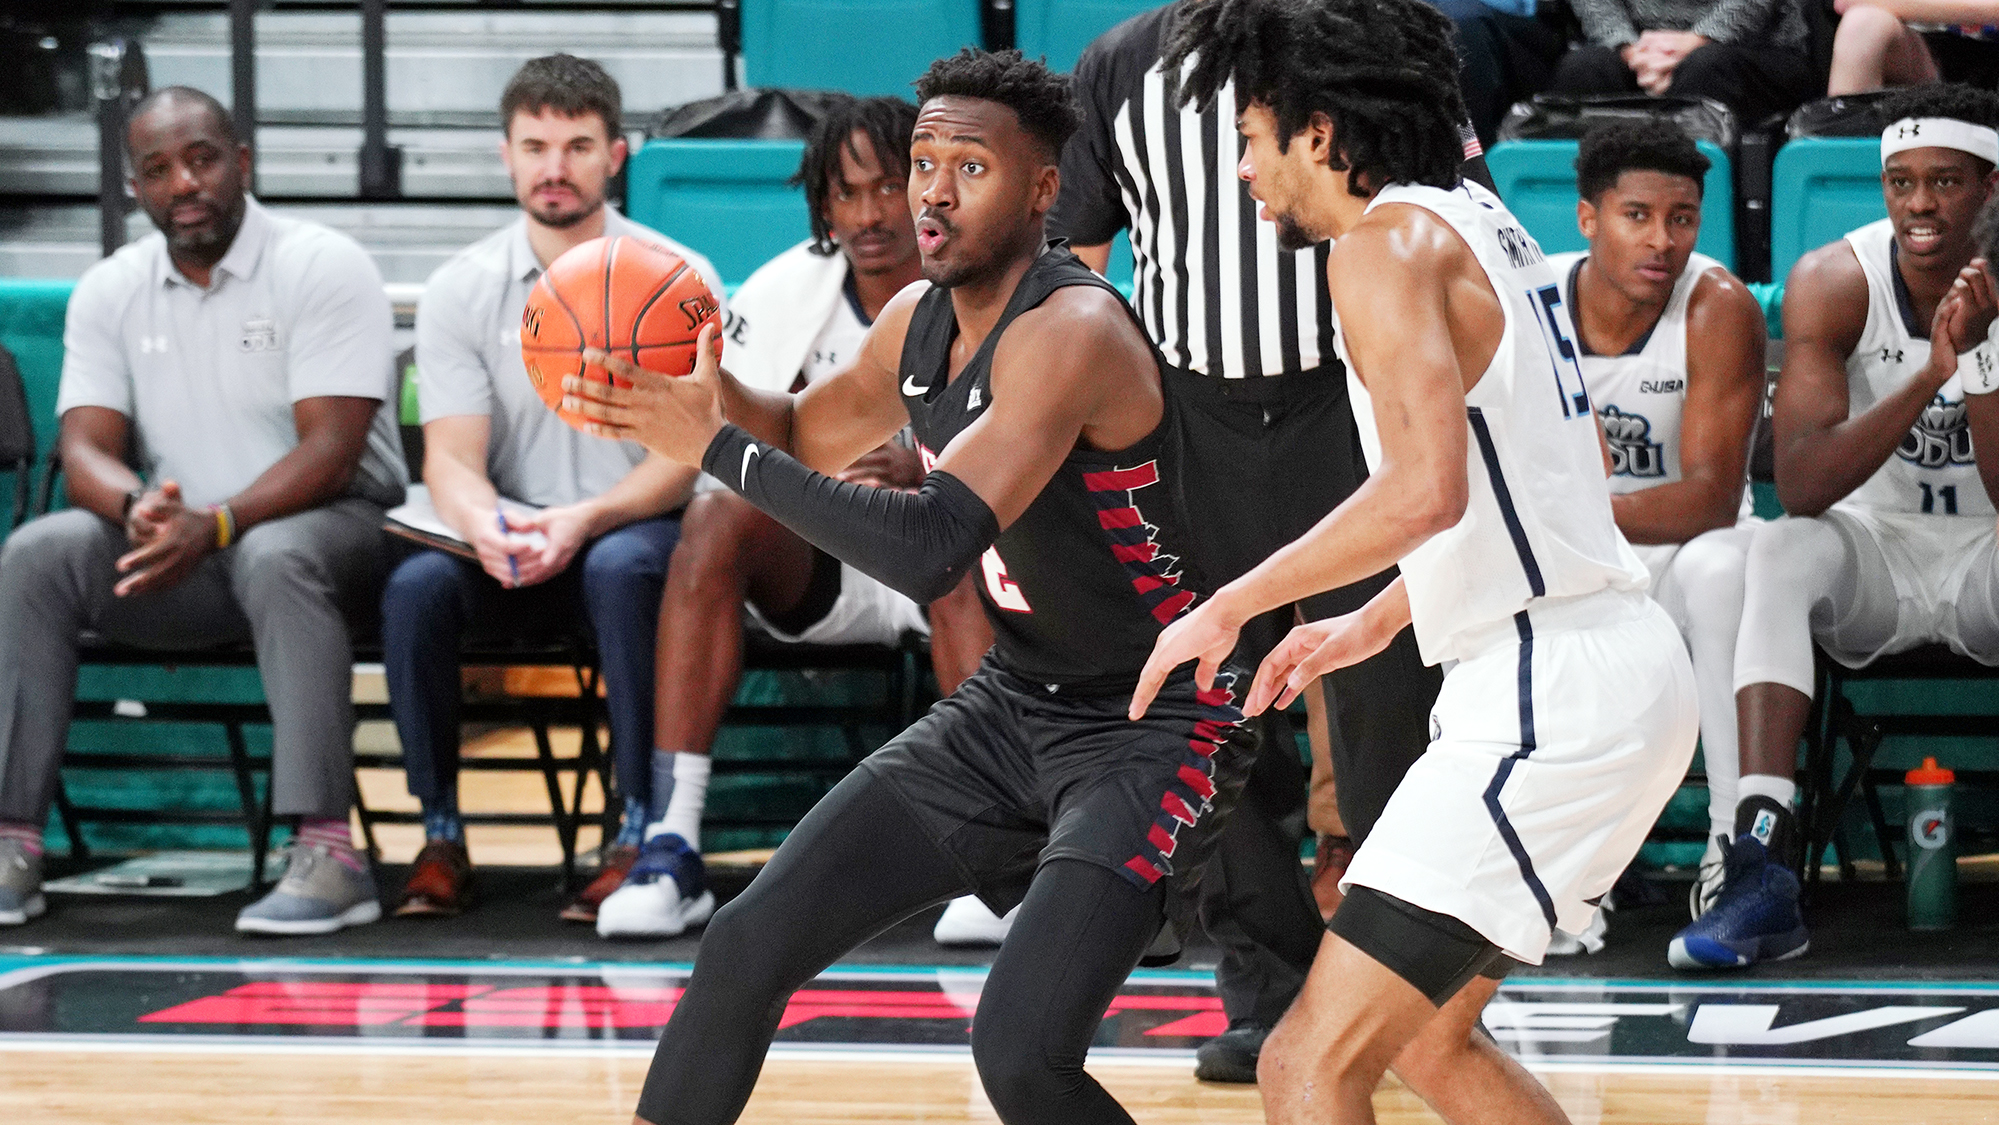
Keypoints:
pixel 282 586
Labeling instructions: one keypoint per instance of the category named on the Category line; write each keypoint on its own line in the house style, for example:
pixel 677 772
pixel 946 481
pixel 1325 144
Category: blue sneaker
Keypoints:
pixel 1754 918
pixel 662 895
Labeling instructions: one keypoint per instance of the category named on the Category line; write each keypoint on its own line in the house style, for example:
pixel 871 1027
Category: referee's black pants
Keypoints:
pixel 1266 459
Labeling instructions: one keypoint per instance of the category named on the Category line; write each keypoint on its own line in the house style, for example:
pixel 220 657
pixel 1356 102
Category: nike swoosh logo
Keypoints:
pixel 750 451
pixel 910 388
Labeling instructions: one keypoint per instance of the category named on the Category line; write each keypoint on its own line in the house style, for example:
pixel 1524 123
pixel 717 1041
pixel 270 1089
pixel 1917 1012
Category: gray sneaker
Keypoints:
pixel 318 895
pixel 20 884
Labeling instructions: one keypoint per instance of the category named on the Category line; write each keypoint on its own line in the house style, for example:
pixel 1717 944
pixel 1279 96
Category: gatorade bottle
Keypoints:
pixel 1932 848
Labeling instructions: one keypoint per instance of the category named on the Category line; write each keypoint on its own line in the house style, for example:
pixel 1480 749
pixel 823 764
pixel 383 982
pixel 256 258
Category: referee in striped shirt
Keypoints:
pixel 1247 332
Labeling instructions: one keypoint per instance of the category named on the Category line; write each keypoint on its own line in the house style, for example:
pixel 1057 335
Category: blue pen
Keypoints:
pixel 513 564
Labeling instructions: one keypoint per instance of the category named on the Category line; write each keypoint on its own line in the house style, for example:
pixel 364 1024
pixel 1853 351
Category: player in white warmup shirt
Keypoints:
pixel 1890 540
pixel 1672 350
pixel 1567 717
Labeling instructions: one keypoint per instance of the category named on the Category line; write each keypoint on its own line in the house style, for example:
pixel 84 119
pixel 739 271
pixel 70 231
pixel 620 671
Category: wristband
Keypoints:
pixel 132 498
pixel 1978 371
pixel 225 525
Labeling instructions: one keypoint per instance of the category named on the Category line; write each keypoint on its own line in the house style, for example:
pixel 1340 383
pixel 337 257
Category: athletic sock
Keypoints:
pixel 679 793
pixel 1771 824
pixel 334 834
pixel 632 829
pixel 29 836
pixel 1781 790
pixel 441 820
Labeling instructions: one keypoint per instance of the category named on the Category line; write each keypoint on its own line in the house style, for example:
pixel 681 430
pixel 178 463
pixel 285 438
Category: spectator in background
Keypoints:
pixel 1750 55
pixel 597 544
pixel 1912 43
pixel 1885 397
pixel 1507 52
pixel 1672 354
pixel 801 316
pixel 247 359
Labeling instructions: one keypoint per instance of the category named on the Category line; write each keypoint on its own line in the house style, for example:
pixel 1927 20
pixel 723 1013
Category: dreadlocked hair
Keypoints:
pixel 1384 72
pixel 885 122
pixel 1044 101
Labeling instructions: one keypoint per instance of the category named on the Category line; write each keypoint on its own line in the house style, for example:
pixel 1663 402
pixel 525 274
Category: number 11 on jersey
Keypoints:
pixel 1562 352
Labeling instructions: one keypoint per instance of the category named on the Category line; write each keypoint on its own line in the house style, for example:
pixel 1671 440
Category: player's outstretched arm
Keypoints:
pixel 1403 286
pixel 1318 647
pixel 1050 373
pixel 1821 453
pixel 827 426
pixel 1726 338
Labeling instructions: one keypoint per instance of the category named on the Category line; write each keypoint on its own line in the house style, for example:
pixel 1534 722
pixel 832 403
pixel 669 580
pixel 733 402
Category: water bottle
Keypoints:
pixel 1932 847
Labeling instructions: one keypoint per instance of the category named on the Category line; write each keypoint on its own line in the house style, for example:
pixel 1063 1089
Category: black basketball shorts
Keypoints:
pixel 1008 774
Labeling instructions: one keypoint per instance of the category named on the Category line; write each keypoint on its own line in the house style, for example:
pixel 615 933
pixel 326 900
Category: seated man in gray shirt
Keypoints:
pixel 247 358
pixel 583 536
pixel 1750 55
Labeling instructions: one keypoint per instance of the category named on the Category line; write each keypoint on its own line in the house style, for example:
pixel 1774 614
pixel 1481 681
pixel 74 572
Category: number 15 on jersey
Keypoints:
pixel 1560 338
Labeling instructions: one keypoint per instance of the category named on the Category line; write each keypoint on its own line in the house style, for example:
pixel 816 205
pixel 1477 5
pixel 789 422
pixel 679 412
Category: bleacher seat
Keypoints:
pixel 799 44
pixel 727 199
pixel 1059 29
pixel 1537 179
pixel 1821 188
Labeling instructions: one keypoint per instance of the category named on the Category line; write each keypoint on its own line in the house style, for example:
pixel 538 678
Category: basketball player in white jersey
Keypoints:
pixel 1671 349
pixel 1568 716
pixel 1890 540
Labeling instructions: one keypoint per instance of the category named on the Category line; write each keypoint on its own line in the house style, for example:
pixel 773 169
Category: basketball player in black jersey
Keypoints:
pixel 1038 405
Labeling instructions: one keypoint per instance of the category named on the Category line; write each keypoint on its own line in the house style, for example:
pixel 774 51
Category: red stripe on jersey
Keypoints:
pixel 1140 867
pixel 1163 840
pixel 1177 808
pixel 1122 480
pixel 1115 518
pixel 1197 781
pixel 1169 609
pixel 1137 552
pixel 1215 697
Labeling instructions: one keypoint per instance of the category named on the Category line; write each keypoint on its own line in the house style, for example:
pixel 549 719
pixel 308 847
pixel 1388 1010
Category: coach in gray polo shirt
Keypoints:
pixel 245 360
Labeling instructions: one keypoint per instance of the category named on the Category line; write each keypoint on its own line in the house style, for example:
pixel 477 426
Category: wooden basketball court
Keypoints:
pixel 411 1088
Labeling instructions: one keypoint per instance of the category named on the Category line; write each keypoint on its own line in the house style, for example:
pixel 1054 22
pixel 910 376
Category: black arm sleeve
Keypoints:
pixel 919 543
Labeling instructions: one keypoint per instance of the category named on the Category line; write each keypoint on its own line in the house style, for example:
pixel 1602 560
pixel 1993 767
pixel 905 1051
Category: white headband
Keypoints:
pixel 1940 132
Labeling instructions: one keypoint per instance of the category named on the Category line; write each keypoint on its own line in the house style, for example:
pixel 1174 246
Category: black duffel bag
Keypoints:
pixel 1566 117
pixel 763 115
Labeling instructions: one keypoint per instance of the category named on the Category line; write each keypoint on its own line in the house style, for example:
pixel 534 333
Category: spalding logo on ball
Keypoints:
pixel 626 296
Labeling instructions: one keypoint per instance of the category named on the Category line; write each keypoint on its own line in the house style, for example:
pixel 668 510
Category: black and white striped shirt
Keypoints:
pixel 1211 286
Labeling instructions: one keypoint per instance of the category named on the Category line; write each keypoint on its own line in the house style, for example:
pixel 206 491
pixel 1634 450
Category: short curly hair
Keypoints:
pixel 1648 144
pixel 1044 101
pixel 1385 72
pixel 1954 100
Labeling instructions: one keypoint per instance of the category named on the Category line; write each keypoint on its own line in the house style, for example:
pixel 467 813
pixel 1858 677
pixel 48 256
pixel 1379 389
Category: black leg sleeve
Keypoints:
pixel 857 864
pixel 1080 931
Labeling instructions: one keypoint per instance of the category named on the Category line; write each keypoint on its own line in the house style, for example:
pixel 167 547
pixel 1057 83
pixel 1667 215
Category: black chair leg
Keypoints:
pixel 366 816
pixel 256 817
pixel 78 849
pixel 1882 837
pixel 565 829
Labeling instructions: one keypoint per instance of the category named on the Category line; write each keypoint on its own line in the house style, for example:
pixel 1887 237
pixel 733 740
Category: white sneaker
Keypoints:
pixel 967 921
pixel 1565 944
pixel 1708 880
pixel 663 893
pixel 20 884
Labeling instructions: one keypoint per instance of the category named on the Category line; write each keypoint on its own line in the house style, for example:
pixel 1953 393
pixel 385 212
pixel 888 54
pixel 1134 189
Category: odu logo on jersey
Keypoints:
pixel 1633 453
pixel 1940 437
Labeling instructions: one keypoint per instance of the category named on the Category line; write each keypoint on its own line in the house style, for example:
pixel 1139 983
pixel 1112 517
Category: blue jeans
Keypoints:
pixel 611 591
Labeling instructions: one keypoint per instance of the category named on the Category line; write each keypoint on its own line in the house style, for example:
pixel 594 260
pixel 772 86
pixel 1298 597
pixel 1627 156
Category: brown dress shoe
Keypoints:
pixel 1329 866
pixel 440 882
pixel 617 861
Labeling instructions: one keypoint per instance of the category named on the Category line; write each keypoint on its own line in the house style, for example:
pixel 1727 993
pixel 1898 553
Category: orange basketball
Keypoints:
pixel 629 297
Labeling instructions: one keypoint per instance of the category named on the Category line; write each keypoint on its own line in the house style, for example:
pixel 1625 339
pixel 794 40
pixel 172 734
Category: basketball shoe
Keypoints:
pixel 662 895
pixel 20 883
pixel 319 894
pixel 1754 918
pixel 968 921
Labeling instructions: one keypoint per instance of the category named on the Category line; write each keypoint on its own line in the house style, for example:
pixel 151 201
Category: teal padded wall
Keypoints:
pixel 727 199
pixel 1058 30
pixel 1820 188
pixel 860 46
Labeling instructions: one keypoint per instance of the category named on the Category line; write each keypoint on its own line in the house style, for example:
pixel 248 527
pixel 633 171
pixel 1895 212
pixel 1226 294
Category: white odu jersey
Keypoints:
pixel 1932 472
pixel 1538 521
pixel 1640 395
